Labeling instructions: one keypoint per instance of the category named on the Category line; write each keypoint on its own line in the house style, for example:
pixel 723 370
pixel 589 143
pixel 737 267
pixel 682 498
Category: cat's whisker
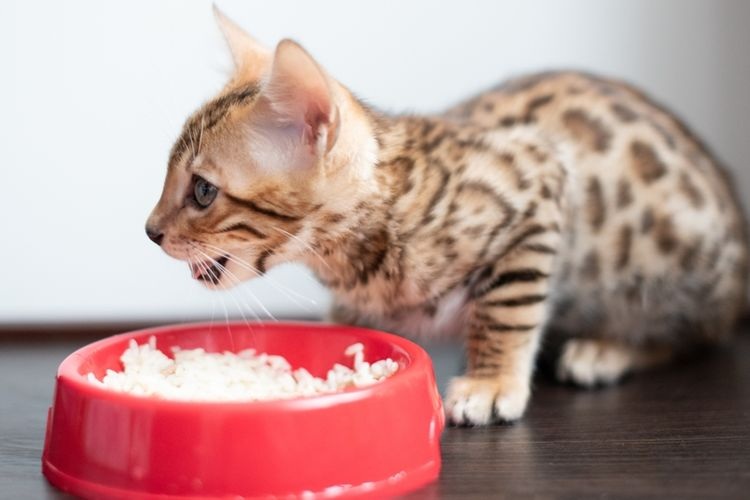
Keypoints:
pixel 231 293
pixel 205 270
pixel 187 319
pixel 223 303
pixel 213 313
pixel 238 302
pixel 305 245
pixel 184 142
pixel 286 291
pixel 236 280
pixel 193 262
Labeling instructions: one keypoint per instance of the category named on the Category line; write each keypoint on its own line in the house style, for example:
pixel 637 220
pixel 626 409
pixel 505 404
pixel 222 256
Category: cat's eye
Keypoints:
pixel 204 192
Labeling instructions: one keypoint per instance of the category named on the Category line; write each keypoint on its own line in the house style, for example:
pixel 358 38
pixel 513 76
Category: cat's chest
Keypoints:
pixel 444 318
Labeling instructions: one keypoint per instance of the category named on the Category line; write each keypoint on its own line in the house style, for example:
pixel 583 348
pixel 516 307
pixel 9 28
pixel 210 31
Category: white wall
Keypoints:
pixel 93 93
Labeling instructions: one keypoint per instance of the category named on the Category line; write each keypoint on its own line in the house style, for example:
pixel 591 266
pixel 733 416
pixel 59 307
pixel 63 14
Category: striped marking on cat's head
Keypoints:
pixel 208 117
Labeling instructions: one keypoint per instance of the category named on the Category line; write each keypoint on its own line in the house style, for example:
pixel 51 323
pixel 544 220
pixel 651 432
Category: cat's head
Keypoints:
pixel 261 166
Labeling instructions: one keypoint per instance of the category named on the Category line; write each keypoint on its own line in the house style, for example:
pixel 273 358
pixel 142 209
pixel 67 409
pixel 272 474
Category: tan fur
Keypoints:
pixel 559 202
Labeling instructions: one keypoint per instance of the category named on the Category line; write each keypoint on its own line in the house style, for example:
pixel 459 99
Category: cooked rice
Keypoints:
pixel 194 374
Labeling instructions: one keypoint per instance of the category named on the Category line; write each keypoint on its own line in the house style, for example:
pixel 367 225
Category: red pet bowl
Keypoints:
pixel 379 441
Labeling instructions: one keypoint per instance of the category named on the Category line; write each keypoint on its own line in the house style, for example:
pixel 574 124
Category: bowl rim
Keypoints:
pixel 68 373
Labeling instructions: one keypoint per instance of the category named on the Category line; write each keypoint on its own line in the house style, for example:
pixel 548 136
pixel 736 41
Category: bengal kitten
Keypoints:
pixel 560 201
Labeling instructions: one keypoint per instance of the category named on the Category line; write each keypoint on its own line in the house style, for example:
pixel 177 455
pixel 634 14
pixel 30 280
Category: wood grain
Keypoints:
pixel 682 432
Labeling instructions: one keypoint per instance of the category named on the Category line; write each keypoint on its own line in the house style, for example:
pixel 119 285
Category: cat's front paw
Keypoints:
pixel 482 401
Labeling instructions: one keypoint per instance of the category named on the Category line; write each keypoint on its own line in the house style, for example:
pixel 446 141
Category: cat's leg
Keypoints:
pixel 509 312
pixel 592 362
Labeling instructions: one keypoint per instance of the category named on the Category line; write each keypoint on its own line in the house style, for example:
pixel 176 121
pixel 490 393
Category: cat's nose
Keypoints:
pixel 154 235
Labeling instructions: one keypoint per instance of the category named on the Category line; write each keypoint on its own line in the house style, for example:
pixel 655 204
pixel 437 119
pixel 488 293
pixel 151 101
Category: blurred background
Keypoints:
pixel 93 94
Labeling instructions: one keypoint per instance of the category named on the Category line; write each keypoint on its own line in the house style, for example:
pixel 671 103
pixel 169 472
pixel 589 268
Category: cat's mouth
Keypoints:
pixel 209 270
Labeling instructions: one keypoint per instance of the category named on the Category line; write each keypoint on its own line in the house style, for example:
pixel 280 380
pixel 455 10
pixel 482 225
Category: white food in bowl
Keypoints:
pixel 195 375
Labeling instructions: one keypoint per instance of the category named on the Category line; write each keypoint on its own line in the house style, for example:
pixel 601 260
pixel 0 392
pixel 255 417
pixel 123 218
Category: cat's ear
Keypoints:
pixel 298 94
pixel 251 59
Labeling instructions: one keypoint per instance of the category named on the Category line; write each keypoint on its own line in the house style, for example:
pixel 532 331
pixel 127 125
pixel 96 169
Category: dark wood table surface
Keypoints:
pixel 682 432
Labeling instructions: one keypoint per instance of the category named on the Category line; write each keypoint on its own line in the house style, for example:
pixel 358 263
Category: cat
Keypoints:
pixel 560 203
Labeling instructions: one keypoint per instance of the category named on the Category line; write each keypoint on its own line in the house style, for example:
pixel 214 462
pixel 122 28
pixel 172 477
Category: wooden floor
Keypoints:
pixel 677 433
